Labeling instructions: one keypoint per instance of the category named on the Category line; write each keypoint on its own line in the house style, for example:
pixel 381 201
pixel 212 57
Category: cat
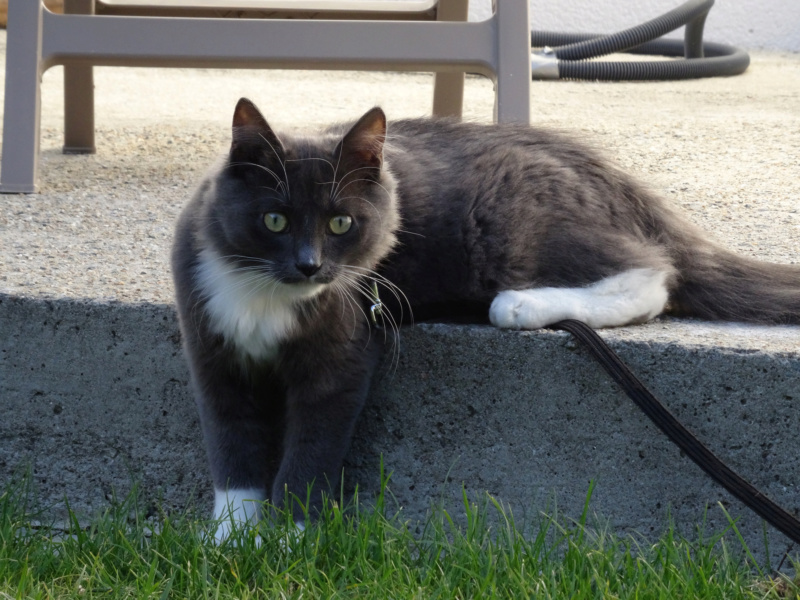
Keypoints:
pixel 279 254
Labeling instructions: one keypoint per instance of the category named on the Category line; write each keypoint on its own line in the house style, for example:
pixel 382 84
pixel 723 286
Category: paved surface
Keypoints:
pixel 93 388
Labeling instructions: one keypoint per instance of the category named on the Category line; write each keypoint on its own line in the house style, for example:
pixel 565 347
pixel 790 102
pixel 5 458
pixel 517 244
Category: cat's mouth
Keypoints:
pixel 317 279
pixel 304 288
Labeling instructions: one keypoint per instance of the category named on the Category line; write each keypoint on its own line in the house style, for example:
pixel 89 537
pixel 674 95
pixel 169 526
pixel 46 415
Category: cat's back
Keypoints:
pixel 447 136
pixel 461 154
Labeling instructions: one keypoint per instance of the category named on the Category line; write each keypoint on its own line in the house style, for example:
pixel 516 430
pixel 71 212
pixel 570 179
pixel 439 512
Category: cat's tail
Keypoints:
pixel 716 284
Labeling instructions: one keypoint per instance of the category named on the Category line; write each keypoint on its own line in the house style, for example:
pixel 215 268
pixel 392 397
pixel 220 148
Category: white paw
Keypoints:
pixel 236 509
pixel 292 535
pixel 524 309
pixel 629 297
pixel 224 529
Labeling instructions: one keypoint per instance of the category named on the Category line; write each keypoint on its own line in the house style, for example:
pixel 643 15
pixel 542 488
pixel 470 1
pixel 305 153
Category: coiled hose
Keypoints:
pixel 564 55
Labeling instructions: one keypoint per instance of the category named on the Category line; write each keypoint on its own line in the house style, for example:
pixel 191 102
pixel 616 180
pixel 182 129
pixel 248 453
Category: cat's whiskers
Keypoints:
pixel 275 189
pixel 336 285
pixel 281 184
pixel 253 278
pixel 344 292
pixel 253 283
pixel 337 192
pixel 203 292
pixel 357 282
pixel 401 230
pixel 263 282
pixel 282 163
pixel 351 285
pixel 386 314
pixel 377 212
pixel 266 267
pixel 334 184
pixel 325 160
pixel 398 294
pixel 262 274
pixel 272 294
pixel 366 290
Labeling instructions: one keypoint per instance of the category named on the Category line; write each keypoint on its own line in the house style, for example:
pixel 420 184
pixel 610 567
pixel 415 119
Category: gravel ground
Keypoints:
pixel 726 150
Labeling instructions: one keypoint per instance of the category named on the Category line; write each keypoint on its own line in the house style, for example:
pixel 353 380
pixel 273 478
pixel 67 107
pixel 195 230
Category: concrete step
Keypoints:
pixel 95 396
pixel 93 389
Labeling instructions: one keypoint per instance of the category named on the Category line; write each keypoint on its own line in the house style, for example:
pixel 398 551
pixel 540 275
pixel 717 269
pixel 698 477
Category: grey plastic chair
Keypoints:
pixel 448 89
pixel 200 33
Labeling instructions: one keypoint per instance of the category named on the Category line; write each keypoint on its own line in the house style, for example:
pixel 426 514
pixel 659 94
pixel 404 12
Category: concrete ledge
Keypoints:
pixel 95 396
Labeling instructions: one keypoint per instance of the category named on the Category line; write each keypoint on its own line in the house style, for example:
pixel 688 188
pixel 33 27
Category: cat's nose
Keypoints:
pixel 309 269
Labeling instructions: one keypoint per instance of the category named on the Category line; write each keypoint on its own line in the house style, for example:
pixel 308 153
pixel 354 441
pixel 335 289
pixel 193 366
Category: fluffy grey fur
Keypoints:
pixel 443 216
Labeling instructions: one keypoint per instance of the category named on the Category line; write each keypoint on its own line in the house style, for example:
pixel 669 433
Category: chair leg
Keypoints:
pixel 448 88
pixel 78 109
pixel 448 94
pixel 513 84
pixel 19 167
pixel 78 95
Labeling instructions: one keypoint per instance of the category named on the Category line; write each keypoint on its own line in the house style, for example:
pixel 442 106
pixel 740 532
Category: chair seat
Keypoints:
pixel 332 5
pixel 304 9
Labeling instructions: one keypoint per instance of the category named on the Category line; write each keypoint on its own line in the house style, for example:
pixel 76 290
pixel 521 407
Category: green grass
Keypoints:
pixel 360 552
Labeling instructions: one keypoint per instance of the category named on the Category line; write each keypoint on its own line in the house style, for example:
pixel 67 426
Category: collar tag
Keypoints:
pixel 376 310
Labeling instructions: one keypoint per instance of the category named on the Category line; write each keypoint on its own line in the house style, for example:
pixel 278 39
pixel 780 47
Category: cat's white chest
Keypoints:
pixel 251 311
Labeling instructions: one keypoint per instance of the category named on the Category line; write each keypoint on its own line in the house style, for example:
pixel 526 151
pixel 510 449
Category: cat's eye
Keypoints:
pixel 340 224
pixel 276 222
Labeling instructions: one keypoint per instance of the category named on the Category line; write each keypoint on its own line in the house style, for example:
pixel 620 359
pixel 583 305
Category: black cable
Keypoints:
pixel 679 435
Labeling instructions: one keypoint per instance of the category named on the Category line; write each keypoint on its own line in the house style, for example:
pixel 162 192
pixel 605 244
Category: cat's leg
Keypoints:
pixel 633 296
pixel 317 437
pixel 322 406
pixel 240 425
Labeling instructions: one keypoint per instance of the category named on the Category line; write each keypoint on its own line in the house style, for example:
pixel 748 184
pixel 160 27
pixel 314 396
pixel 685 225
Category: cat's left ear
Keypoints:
pixel 362 146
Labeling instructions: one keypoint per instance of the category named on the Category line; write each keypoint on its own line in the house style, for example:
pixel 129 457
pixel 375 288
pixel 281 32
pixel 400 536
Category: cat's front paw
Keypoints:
pixel 292 535
pixel 237 509
pixel 232 530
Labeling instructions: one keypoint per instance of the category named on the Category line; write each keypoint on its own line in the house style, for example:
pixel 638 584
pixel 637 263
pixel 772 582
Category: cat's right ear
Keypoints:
pixel 253 139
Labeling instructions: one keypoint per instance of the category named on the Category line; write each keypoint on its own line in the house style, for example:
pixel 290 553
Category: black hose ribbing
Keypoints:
pixel 635 36
pixel 703 59
pixel 732 63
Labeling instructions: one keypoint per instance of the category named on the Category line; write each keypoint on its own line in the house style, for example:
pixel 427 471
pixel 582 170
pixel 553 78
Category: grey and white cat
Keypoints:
pixel 276 253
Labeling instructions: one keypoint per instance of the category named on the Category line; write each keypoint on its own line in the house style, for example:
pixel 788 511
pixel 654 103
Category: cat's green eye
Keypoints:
pixel 340 224
pixel 276 222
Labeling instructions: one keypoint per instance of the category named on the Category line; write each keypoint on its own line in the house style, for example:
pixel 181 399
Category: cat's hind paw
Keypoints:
pixel 524 309
pixel 632 296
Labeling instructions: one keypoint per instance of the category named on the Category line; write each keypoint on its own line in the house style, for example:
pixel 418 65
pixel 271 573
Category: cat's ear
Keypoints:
pixel 362 146
pixel 253 138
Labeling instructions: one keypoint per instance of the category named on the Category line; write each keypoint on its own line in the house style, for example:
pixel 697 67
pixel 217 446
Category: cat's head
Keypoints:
pixel 305 212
